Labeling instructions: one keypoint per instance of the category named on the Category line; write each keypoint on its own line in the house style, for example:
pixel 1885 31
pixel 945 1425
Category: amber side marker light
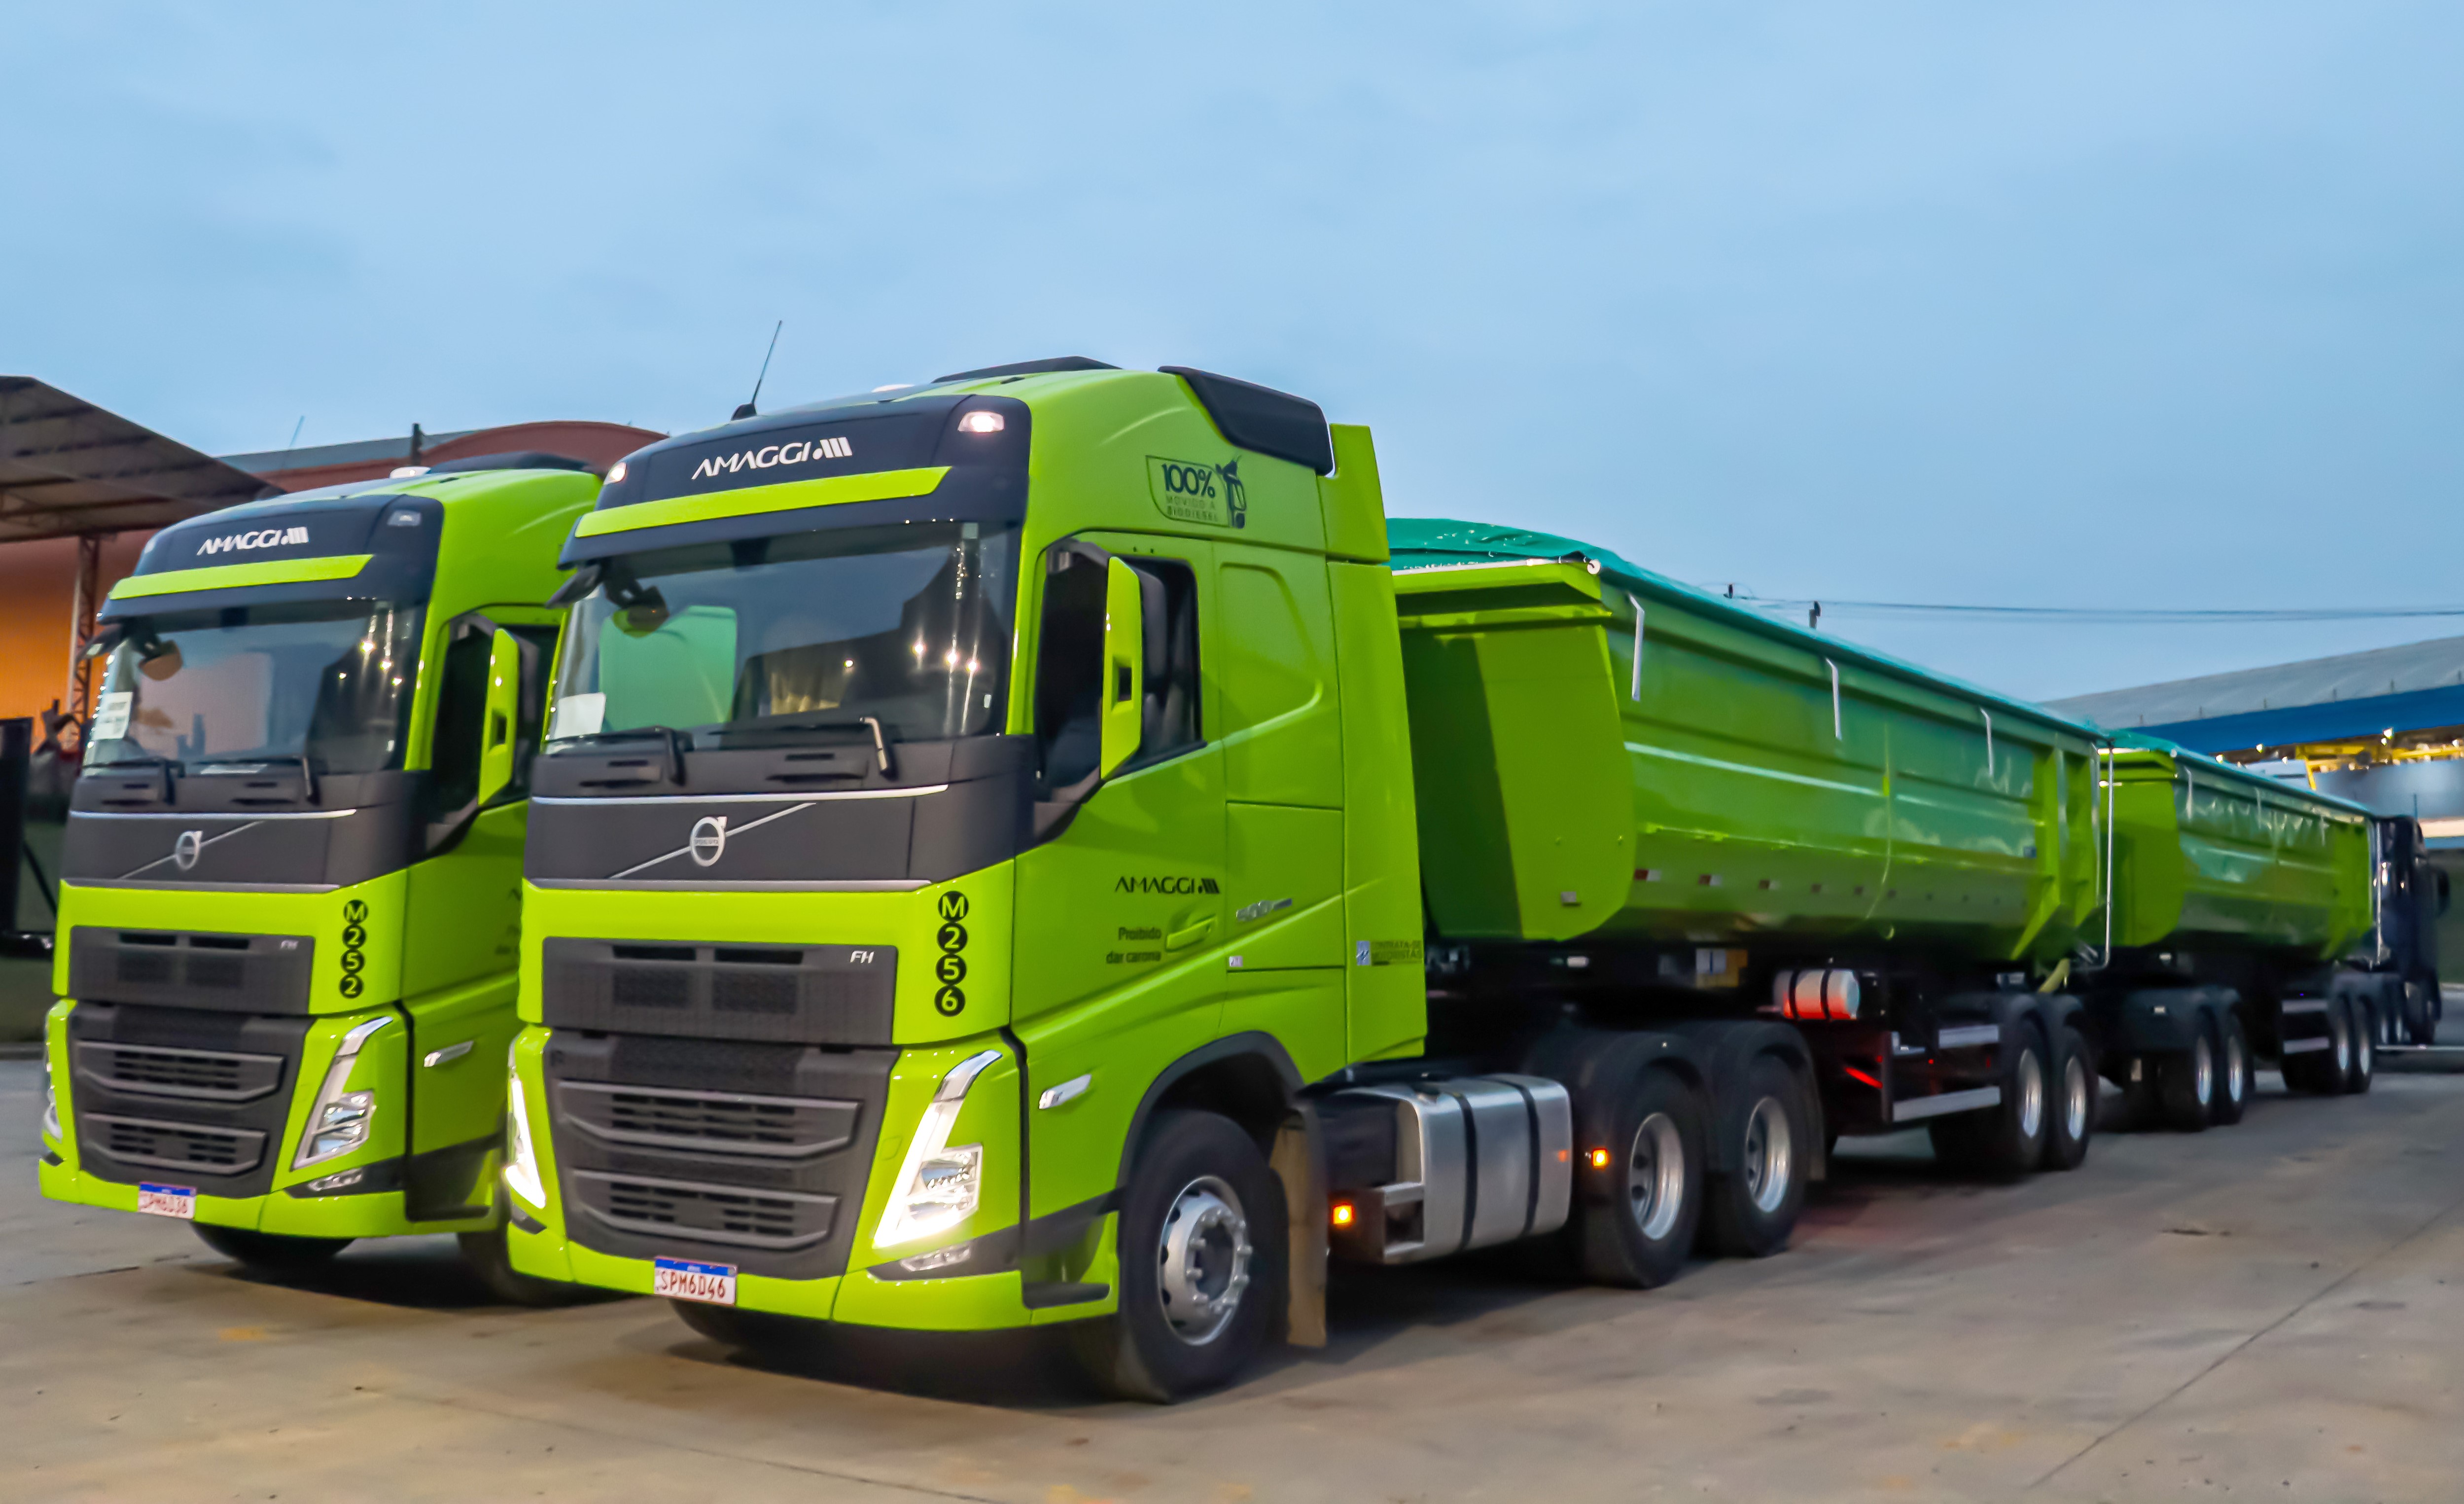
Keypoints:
pixel 1599 1159
pixel 1343 1214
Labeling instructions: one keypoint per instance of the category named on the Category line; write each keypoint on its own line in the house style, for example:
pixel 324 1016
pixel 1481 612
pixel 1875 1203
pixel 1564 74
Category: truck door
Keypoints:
pixel 1119 964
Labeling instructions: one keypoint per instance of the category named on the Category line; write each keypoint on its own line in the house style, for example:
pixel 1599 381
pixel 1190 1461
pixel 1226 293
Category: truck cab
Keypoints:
pixel 947 799
pixel 290 882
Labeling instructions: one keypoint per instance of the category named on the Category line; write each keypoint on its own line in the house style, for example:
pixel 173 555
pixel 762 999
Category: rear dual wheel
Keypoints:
pixel 2072 1120
pixel 2323 1072
pixel 2009 1139
pixel 2232 1069
pixel 1636 1220
pixel 1752 1210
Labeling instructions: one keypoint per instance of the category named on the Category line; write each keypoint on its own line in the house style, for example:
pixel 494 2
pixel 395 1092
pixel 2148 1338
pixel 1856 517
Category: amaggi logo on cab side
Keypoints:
pixel 1193 491
pixel 770 457
pixel 261 538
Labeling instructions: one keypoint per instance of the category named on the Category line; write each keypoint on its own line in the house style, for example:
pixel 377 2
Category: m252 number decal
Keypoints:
pixel 950 969
pixel 355 939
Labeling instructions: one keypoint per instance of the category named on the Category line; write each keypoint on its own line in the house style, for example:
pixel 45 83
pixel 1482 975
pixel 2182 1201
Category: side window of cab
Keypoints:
pixel 1070 670
pixel 462 707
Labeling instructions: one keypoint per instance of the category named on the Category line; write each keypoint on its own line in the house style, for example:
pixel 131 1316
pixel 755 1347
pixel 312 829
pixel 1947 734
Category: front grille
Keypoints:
pixel 782 1221
pixel 782 994
pixel 201 1092
pixel 720 1123
pixel 217 1075
pixel 252 973
pixel 176 1146
pixel 668 1143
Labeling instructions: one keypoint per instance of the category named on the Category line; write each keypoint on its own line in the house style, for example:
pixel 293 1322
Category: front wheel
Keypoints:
pixel 1203 1255
pixel 271 1252
pixel 484 1254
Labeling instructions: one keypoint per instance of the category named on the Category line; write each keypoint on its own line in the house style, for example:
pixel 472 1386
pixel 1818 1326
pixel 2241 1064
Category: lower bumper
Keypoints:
pixel 378 1215
pixel 961 1303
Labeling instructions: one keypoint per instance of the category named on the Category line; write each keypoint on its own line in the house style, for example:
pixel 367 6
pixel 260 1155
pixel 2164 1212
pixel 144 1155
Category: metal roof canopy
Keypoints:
pixel 2418 686
pixel 70 469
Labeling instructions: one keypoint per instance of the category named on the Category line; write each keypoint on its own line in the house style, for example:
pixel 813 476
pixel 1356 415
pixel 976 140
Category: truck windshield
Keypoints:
pixel 909 624
pixel 330 681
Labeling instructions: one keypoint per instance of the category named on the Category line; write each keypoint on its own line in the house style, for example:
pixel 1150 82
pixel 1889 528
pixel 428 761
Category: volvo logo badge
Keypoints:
pixel 186 850
pixel 708 842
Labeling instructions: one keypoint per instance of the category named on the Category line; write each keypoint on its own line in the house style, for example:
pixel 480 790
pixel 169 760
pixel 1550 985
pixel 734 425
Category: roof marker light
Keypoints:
pixel 979 422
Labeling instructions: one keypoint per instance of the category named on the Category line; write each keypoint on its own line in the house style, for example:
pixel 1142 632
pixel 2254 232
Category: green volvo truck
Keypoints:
pixel 1040 847
pixel 291 879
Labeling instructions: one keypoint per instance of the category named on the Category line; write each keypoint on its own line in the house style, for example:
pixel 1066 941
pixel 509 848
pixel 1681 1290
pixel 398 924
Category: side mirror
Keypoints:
pixel 1125 657
pixel 502 718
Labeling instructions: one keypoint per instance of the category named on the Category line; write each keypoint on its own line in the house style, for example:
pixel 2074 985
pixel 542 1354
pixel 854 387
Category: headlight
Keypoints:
pixel 937 1186
pixel 521 1162
pixel 338 1122
pixel 51 1101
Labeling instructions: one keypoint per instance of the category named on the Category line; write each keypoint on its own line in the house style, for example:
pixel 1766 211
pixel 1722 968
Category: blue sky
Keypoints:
pixel 2097 305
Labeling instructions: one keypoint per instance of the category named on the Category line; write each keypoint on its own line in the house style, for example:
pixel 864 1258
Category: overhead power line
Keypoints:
pixel 2105 613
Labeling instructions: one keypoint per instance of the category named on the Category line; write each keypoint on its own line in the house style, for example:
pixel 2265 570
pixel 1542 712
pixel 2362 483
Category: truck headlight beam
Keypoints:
pixel 937 1185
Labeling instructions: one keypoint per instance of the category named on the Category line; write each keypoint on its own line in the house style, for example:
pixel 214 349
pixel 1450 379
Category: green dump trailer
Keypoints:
pixel 1035 849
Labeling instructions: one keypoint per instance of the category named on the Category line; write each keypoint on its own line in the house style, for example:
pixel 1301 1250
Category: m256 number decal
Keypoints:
pixel 950 969
pixel 354 940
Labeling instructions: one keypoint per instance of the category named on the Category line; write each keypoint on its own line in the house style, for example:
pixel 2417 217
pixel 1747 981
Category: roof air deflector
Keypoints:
pixel 1262 419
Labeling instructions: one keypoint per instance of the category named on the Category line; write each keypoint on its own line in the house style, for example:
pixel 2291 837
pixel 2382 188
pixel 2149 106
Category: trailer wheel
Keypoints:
pixel 2008 1140
pixel 1203 1249
pixel 271 1252
pixel 2233 1069
pixel 2074 1108
pixel 1638 1222
pixel 2361 1061
pixel 1752 1210
pixel 2186 1083
pixel 2419 1027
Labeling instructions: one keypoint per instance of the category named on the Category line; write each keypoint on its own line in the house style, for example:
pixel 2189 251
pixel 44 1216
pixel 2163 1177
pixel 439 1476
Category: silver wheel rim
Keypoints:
pixel 2075 1098
pixel 1655 1176
pixel 2237 1069
pixel 1204 1261
pixel 1769 1155
pixel 2031 1095
pixel 2363 1052
pixel 2203 1071
pixel 2342 1033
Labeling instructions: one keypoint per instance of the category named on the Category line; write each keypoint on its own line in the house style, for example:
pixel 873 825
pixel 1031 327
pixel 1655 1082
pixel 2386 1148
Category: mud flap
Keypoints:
pixel 1299 1163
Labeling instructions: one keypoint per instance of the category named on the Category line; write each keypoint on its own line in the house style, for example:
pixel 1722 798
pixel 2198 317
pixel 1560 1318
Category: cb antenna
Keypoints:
pixel 747 410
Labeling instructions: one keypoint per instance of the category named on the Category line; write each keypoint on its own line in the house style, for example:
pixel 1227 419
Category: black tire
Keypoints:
pixel 2007 1139
pixel 2361 1060
pixel 755 1331
pixel 1203 1256
pixel 1635 1218
pixel 2419 1027
pixel 1749 1211
pixel 2070 1120
pixel 2232 1069
pixel 271 1252
pixel 484 1254
pixel 2186 1083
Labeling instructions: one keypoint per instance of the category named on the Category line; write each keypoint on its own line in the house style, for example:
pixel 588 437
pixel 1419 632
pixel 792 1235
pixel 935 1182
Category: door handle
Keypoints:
pixel 1183 939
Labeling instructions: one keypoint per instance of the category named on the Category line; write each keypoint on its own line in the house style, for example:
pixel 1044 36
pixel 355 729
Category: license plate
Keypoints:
pixel 167 1201
pixel 682 1280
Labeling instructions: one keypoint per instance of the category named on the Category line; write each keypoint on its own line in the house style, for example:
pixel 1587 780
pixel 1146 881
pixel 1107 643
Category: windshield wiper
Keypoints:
pixel 872 724
pixel 242 766
pixel 669 738
pixel 167 766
